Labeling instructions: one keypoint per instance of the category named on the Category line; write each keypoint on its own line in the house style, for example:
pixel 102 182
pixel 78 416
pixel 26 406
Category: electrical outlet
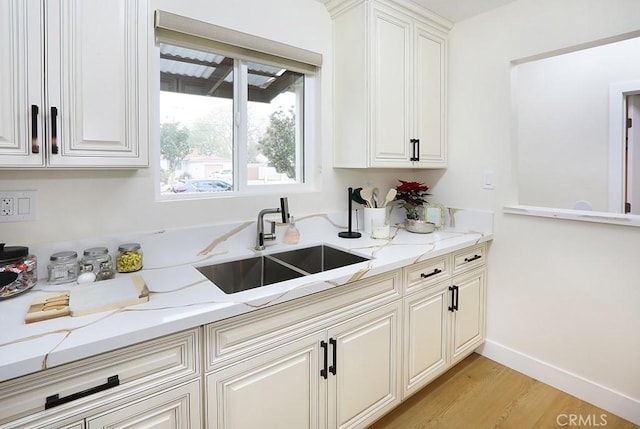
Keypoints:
pixel 17 206
pixel 6 206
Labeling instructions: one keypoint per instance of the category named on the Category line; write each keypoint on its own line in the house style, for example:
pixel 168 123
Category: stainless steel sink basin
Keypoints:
pixel 318 258
pixel 249 273
pixel 245 274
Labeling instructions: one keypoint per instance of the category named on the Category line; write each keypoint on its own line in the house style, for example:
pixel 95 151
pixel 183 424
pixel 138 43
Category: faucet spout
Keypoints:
pixel 261 235
pixel 284 209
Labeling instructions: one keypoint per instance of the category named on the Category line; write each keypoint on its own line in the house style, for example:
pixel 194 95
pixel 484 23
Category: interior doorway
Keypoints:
pixel 632 155
pixel 624 147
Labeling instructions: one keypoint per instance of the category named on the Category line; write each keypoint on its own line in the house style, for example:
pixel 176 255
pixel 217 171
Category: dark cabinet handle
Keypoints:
pixel 35 110
pixel 472 259
pixel 55 400
pixel 415 156
pixel 334 368
pixel 456 293
pixel 54 130
pixel 323 371
pixel 435 271
pixel 454 298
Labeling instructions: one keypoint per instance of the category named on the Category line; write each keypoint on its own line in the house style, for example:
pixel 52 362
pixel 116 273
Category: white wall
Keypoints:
pixel 79 204
pixel 564 294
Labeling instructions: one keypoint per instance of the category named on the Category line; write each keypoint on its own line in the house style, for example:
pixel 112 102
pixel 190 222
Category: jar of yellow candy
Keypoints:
pixel 129 258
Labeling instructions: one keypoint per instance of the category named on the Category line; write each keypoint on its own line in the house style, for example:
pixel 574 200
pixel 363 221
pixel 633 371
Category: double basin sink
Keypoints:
pixel 257 271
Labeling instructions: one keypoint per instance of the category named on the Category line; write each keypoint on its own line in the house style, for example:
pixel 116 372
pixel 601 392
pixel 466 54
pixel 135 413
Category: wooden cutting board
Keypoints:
pixel 88 299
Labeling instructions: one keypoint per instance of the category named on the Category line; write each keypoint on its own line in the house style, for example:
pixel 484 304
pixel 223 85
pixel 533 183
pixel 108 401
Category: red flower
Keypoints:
pixel 412 194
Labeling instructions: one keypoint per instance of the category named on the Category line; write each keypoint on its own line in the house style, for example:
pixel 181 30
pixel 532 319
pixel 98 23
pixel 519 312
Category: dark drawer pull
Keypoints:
pixel 435 271
pixel 415 154
pixel 35 110
pixel 472 259
pixel 454 298
pixel 323 371
pixel 452 307
pixel 54 130
pixel 333 369
pixel 55 400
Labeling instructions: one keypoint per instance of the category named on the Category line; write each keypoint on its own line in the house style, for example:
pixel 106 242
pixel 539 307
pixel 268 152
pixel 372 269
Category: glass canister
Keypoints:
pixel 18 270
pixel 63 268
pixel 95 256
pixel 129 258
pixel 106 271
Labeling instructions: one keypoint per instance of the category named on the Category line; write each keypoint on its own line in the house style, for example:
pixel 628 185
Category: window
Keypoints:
pixel 232 119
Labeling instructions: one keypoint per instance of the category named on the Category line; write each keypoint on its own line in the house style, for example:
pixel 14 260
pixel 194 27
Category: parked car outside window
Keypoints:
pixel 202 185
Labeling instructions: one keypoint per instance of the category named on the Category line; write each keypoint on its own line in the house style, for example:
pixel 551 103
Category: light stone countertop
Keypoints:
pixel 182 298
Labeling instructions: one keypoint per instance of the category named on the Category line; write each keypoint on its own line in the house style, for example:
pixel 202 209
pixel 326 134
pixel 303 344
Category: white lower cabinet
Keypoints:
pixel 444 321
pixel 277 389
pixel 155 384
pixel 364 363
pixel 425 342
pixel 178 407
pixel 341 377
pixel 468 316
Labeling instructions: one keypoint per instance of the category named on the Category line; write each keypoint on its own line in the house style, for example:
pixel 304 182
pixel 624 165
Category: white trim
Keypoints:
pixel 601 396
pixel 579 215
pixel 617 125
pixel 578 47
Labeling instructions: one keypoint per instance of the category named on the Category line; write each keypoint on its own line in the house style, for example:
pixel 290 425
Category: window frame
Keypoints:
pixel 174 33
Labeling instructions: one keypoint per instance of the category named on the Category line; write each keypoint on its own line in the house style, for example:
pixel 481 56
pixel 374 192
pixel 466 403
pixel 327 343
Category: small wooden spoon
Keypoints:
pixel 367 195
pixel 390 197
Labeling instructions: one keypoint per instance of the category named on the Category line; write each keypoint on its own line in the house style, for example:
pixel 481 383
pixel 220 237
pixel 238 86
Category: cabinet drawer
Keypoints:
pixel 469 258
pixel 424 274
pixel 261 330
pixel 167 360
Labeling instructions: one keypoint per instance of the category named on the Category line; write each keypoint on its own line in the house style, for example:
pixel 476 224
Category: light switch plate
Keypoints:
pixel 17 206
pixel 488 179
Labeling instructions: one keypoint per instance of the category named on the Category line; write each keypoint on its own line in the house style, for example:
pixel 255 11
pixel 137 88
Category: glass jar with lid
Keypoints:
pixel 95 256
pixel 63 267
pixel 106 271
pixel 18 270
pixel 129 258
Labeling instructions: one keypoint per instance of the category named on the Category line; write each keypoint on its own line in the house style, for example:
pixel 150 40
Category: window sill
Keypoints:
pixel 576 215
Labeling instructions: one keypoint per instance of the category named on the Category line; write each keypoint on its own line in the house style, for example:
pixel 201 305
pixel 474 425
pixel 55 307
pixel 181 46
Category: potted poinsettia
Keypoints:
pixel 411 196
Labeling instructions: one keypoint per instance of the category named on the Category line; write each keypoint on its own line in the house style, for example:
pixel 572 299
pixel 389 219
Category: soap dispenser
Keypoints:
pixel 291 235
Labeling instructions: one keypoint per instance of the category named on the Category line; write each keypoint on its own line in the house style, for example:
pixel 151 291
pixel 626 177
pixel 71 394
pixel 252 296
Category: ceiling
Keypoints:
pixel 458 10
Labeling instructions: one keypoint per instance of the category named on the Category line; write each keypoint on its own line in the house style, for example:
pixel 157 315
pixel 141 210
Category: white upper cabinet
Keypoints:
pixel 389 85
pixel 20 82
pixel 73 88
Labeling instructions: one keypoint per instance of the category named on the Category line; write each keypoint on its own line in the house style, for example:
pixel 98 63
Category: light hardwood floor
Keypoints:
pixel 479 393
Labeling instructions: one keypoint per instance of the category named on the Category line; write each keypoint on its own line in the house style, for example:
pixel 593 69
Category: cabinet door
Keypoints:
pixel 425 333
pixel 51 423
pixel 430 97
pixel 278 389
pixel 390 88
pixel 21 83
pixel 469 318
pixel 178 407
pixel 365 360
pixel 96 72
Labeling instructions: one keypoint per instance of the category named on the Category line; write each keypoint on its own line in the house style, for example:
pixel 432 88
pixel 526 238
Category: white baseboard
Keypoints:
pixel 593 393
